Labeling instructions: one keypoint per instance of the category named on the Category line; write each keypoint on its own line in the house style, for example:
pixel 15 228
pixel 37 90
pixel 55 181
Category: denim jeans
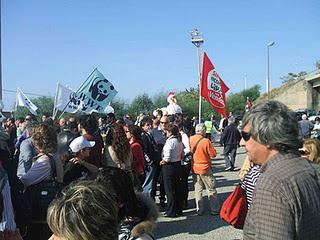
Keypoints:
pixel 149 178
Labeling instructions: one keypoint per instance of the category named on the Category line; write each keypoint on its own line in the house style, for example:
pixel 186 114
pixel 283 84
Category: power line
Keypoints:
pixel 34 94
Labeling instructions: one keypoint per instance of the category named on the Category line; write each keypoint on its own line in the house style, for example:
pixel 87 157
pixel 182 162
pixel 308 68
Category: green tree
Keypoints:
pixel 236 102
pixel 160 100
pixel 188 101
pixel 293 76
pixel 141 103
pixel 119 106
pixel 318 64
pixel 44 104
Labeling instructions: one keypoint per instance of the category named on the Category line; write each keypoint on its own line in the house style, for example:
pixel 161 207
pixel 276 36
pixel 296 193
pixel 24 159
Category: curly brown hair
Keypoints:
pixel 117 138
pixel 44 139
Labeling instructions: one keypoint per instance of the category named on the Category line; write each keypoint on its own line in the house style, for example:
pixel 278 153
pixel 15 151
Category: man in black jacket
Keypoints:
pixel 230 139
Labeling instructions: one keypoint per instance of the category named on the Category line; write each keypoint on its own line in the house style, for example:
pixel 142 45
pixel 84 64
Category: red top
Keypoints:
pixel 138 158
pixel 95 156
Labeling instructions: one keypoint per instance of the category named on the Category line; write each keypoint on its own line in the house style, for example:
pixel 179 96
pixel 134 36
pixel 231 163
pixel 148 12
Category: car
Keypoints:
pixel 309 112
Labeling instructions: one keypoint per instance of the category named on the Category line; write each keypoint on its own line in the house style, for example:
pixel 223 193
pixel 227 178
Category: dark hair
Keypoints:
pixel 135 131
pixel 111 115
pixel 64 139
pixel 146 120
pixel 174 130
pixel 118 180
pixel 116 137
pixel 88 123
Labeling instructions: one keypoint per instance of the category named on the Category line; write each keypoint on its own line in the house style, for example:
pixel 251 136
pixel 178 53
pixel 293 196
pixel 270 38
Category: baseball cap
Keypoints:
pixel 80 143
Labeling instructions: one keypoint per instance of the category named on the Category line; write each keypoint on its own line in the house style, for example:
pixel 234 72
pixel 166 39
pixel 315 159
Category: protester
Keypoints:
pixel 117 152
pixel 208 124
pixel 311 150
pixel 133 133
pixel 158 133
pixel 26 151
pixel 150 154
pixel 249 182
pixel 45 142
pixel 186 167
pixel 137 213
pixel 286 201
pixel 203 151
pixel 89 130
pixel 230 139
pixel 76 167
pixel 305 127
pixel 93 211
pixel 172 171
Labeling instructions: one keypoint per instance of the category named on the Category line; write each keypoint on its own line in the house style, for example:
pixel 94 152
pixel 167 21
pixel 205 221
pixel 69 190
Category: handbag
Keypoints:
pixel 234 208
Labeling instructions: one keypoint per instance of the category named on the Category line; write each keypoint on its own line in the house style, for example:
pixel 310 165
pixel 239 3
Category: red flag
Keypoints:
pixel 213 88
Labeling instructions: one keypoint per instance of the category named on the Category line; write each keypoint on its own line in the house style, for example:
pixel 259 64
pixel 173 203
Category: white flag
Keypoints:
pixel 65 100
pixel 24 101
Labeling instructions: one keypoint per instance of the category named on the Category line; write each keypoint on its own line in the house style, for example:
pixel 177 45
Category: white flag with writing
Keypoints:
pixel 65 100
pixel 24 101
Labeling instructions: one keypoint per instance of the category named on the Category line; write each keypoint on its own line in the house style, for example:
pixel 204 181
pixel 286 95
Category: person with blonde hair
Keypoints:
pixel 311 150
pixel 85 210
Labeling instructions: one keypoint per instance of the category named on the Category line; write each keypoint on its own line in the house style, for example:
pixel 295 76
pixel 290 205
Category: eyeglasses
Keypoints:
pixel 246 136
pixel 164 122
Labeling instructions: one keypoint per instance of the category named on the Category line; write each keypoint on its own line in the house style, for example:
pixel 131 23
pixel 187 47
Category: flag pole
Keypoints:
pixel 64 109
pixel 55 103
pixel 199 77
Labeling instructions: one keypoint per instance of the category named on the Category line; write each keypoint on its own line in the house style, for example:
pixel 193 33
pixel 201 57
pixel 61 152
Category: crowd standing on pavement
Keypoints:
pixel 117 168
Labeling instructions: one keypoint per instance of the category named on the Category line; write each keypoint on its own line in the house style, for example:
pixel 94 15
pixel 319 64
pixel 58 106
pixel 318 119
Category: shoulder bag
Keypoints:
pixel 189 156
pixel 234 209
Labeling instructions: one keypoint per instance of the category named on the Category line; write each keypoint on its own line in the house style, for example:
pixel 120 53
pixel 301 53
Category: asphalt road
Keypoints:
pixel 192 226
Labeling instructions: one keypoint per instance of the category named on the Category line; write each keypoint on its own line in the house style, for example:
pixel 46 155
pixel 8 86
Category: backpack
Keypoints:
pixel 39 196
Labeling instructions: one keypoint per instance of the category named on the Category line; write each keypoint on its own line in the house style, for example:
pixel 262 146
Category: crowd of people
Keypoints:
pixel 108 171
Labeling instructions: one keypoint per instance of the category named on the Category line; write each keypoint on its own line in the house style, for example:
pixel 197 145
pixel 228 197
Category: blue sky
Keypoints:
pixel 144 46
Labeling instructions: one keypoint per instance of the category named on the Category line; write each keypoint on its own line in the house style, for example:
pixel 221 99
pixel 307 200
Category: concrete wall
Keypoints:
pixel 298 95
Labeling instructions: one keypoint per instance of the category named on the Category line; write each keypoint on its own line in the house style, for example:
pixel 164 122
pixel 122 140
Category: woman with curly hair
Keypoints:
pixel 117 152
pixel 44 140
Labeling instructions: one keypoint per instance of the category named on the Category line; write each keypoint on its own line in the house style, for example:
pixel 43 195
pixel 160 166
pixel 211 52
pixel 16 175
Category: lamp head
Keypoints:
pixel 270 44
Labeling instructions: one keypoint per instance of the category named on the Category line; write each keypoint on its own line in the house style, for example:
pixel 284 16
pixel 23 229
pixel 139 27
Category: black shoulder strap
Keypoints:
pixel 195 147
pixel 53 166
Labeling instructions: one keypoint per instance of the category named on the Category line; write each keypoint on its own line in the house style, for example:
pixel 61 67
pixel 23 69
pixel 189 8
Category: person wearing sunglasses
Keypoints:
pixel 286 200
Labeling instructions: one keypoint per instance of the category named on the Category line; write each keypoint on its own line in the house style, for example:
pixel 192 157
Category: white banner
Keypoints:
pixel 65 100
pixel 24 101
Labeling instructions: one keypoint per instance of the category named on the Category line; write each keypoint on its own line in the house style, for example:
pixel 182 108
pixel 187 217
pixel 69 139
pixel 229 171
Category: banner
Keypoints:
pixel 23 100
pixel 65 100
pixel 213 89
pixel 96 93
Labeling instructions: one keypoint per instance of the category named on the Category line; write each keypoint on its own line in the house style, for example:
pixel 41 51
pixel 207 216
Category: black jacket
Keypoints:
pixel 230 135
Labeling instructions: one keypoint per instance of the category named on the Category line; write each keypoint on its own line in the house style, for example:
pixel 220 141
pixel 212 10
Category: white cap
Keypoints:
pixel 80 143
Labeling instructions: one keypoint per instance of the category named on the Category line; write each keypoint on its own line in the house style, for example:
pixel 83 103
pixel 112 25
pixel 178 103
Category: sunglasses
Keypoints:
pixel 164 122
pixel 246 136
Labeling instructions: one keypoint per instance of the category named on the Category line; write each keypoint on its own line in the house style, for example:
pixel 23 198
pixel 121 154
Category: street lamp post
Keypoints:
pixel 270 44
pixel 197 40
